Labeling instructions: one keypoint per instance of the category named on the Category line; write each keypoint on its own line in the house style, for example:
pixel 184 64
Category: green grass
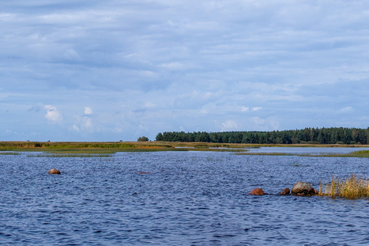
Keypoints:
pixel 113 147
pixel 362 153
pixel 352 188
pixel 9 153
pixel 359 154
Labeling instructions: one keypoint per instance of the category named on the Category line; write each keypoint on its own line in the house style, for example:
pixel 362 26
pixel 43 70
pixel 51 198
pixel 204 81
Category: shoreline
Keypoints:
pixel 149 146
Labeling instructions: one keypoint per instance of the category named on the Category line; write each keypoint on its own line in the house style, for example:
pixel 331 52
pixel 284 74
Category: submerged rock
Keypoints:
pixel 303 189
pixel 144 173
pixel 257 192
pixel 285 192
pixel 54 171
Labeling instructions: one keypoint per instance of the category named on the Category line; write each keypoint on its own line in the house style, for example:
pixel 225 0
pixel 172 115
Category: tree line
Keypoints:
pixel 323 135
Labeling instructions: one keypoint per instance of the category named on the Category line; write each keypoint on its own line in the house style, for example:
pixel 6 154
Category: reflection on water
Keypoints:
pixel 176 198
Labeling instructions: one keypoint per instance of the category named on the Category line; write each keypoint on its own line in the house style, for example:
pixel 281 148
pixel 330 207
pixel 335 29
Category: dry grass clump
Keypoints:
pixel 351 188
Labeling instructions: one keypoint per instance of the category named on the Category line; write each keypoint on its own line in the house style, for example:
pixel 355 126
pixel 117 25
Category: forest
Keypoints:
pixel 334 135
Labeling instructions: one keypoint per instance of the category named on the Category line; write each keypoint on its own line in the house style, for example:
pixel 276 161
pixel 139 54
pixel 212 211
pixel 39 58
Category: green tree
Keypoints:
pixel 142 139
pixel 159 137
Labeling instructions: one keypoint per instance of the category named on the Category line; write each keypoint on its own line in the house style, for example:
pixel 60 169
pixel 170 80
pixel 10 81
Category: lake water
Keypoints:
pixel 184 198
pixel 305 150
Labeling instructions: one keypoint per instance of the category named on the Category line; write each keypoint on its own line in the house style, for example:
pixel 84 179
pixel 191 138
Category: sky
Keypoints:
pixel 117 70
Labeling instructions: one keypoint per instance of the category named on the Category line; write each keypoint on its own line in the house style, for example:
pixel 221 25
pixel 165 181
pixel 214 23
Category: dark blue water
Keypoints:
pixel 189 198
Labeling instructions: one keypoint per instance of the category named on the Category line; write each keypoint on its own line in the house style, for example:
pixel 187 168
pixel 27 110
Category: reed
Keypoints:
pixel 352 188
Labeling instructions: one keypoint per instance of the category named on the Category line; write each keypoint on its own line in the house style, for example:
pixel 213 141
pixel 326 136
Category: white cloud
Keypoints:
pixel 52 114
pixel 174 65
pixel 149 105
pixel 245 109
pixel 229 125
pixel 145 107
pixel 84 124
pixel 258 121
pixel 346 110
pixel 117 130
pixel 88 111
pixel 75 128
pixel 256 108
pixel 274 124
pixel 87 124
pixel 203 111
pixel 71 54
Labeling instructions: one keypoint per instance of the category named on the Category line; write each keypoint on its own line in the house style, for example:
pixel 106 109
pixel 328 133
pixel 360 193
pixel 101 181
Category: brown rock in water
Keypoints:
pixel 303 189
pixel 144 172
pixel 54 171
pixel 257 192
pixel 285 191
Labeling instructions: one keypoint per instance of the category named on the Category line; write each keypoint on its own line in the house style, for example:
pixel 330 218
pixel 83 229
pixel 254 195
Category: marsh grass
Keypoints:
pixel 64 155
pixel 352 188
pixel 113 147
pixel 9 153
pixel 271 154
pixel 358 154
pixel 362 153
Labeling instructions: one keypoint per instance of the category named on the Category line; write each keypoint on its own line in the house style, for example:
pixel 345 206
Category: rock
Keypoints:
pixel 285 191
pixel 257 192
pixel 144 172
pixel 302 189
pixel 54 171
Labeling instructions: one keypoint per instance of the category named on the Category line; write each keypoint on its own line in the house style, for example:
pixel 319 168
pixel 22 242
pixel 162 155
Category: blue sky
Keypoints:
pixel 116 70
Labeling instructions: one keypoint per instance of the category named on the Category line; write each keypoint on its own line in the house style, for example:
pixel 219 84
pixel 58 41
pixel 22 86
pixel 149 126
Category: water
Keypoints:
pixel 187 198
pixel 306 150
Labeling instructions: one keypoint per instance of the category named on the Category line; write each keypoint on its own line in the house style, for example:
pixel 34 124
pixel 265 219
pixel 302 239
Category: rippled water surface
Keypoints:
pixel 305 150
pixel 176 198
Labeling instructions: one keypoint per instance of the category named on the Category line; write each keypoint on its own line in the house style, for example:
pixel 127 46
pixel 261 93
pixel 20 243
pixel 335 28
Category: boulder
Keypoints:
pixel 54 171
pixel 303 189
pixel 257 192
pixel 285 192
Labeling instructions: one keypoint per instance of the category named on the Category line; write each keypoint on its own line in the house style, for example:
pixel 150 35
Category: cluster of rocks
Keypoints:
pixel 299 189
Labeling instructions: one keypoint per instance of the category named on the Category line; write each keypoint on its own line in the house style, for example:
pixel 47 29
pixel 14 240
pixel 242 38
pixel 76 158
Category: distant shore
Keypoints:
pixel 137 146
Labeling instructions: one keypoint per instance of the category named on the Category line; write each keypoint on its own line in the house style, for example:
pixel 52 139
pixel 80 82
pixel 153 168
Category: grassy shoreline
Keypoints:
pixel 113 147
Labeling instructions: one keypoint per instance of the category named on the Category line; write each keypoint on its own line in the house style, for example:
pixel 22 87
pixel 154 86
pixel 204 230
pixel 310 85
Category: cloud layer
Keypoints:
pixel 116 70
